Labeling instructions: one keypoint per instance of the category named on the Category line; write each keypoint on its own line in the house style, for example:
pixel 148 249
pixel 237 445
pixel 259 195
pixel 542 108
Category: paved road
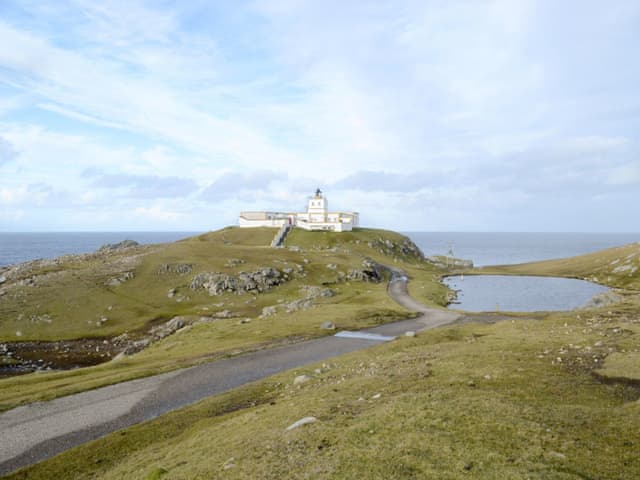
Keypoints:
pixel 37 431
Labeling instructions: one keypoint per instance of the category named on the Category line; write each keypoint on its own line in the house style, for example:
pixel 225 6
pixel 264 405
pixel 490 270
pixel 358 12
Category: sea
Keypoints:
pixel 502 248
pixel 483 248
pixel 18 247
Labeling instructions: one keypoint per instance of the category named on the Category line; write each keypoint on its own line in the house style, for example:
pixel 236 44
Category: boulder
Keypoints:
pixel 302 304
pixel 328 325
pixel 300 379
pixel 268 311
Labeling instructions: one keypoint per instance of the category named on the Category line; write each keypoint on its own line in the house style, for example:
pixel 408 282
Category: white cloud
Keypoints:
pixel 158 212
pixel 443 113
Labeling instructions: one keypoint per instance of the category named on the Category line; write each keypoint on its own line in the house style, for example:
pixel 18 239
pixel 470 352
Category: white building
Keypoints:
pixel 317 217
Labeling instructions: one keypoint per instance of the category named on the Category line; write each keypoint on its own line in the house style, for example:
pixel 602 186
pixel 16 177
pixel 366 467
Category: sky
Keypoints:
pixel 496 115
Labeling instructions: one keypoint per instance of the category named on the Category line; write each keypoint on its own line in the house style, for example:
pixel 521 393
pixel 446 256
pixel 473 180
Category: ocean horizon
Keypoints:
pixel 483 248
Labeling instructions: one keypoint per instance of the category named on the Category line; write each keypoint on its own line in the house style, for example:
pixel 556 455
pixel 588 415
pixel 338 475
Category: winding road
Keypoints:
pixel 38 431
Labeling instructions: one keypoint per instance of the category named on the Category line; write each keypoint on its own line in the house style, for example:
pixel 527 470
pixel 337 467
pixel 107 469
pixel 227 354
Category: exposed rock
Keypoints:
pixel 114 282
pixel 161 331
pixel 302 421
pixel 315 292
pixel 2 279
pixel 268 311
pixel 175 268
pixel 223 314
pixel 376 396
pixel 244 320
pixel 234 262
pixel 300 379
pixel 603 299
pixel 331 266
pixel 404 248
pixel 301 304
pixel 171 293
pixel 371 272
pixel 218 283
pixel 327 325
pixel 112 247
pixel 410 333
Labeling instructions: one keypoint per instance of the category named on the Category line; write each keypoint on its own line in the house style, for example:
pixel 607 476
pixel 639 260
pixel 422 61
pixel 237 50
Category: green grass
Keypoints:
pixel 356 305
pixel 516 413
pixel 74 295
pixel 539 397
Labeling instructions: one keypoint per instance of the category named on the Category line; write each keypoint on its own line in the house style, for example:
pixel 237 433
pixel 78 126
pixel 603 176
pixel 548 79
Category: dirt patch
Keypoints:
pixel 17 358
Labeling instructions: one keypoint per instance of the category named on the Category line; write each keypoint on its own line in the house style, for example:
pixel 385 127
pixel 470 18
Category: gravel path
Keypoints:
pixel 38 431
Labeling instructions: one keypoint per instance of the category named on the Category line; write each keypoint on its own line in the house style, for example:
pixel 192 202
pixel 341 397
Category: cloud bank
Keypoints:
pixel 517 115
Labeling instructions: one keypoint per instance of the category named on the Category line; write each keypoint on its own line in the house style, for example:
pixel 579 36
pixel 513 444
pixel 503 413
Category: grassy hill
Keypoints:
pixel 555 396
pixel 74 293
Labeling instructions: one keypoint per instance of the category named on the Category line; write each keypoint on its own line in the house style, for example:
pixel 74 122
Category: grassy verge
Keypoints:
pixel 517 399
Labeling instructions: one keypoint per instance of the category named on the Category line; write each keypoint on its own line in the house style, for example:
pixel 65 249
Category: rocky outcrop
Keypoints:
pixel 174 268
pixel 404 248
pixel 216 283
pixel 603 299
pixel 371 272
pixel 113 247
pixel 114 282
pixel 445 262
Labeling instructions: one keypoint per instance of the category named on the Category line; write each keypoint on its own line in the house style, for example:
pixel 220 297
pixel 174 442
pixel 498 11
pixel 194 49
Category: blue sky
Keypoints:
pixel 505 115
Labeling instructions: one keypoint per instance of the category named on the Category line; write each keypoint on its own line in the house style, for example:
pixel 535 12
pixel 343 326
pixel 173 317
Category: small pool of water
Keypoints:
pixel 488 293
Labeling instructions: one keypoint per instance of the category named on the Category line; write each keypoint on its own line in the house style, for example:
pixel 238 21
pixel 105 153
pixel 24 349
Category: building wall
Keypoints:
pixel 316 218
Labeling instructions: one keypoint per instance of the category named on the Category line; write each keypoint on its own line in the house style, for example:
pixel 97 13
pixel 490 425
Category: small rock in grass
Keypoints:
pixel 244 320
pixel 301 379
pixel 328 325
pixel 302 421
pixel 376 396
pixel 268 311
pixel 410 333
pixel 471 383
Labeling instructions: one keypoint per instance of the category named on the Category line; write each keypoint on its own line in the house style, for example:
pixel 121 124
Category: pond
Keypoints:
pixel 488 293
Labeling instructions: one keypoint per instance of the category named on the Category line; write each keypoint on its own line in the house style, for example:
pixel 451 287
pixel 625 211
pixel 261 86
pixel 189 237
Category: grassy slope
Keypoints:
pixel 356 305
pixel 613 267
pixel 517 413
pixel 517 399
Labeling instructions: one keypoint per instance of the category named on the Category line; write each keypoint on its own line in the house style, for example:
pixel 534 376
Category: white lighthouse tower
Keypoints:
pixel 318 208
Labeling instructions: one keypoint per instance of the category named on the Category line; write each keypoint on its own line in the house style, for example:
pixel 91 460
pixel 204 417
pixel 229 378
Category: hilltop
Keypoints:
pixel 140 310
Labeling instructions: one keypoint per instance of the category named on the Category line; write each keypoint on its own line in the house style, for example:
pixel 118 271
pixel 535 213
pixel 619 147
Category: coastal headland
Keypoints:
pixel 542 395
